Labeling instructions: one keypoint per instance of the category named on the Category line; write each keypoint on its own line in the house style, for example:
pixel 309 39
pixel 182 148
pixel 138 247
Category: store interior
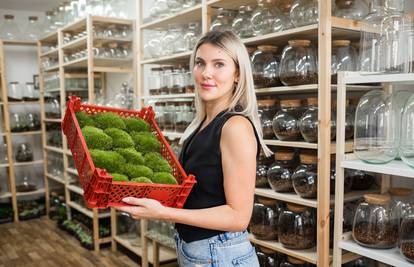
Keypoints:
pixel 334 84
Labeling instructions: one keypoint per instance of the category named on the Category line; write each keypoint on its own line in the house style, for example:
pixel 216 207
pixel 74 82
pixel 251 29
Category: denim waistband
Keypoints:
pixel 221 237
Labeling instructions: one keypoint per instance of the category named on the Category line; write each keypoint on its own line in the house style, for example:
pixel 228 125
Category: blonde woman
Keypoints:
pixel 220 149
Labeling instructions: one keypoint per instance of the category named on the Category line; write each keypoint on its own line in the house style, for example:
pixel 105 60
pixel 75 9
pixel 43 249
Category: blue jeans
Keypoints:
pixel 230 249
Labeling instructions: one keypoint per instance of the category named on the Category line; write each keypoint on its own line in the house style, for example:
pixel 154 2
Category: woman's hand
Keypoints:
pixel 144 208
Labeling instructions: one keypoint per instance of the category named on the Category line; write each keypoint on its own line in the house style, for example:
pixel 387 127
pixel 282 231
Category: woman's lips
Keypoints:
pixel 207 86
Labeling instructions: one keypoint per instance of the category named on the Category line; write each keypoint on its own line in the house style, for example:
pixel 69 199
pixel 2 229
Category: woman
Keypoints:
pixel 220 149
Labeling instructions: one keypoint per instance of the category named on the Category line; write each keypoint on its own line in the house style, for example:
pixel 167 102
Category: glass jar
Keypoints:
pixel 127 226
pixel 280 173
pixel 4 158
pixel 166 80
pixel 160 9
pixel 308 122
pixel 178 83
pixel 191 36
pixel 298 64
pixel 372 47
pixel 297 227
pixel 265 67
pixel 400 202
pixel 223 20
pixel 26 185
pixel 267 18
pixel 267 110
pixel 155 81
pixel 347 179
pixel 159 114
pixel 294 262
pixel 9 29
pixel 304 12
pixel 362 262
pixel 406 240
pixel 343 58
pixel 349 120
pixel 407 132
pixel 32 31
pixel 52 108
pixel 242 24
pixel 152 47
pixel 350 9
pixel 268 257
pixel 32 122
pixel 24 153
pixel 376 137
pixel 172 42
pixel 17 123
pixel 286 121
pixel 28 93
pixel 265 216
pixel 262 166
pixel 169 111
pixel 360 179
pixel 14 92
pixel 374 224
pixel 305 176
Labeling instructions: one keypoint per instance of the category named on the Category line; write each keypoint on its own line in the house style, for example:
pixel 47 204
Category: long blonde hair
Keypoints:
pixel 244 93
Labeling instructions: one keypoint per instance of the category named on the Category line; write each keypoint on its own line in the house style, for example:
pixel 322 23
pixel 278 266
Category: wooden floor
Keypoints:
pixel 40 243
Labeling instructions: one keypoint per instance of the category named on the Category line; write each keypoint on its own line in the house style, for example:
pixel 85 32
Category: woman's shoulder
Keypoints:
pixel 238 127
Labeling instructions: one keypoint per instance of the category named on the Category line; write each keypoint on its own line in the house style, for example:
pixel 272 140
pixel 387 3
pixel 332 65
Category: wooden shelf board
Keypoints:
pixel 104 41
pixel 50 38
pixel 5 195
pixel 357 77
pixel 231 4
pixel 78 63
pixel 155 97
pixel 26 133
pixel 52 120
pixel 72 171
pixel 302 144
pixel 75 43
pixel 113 69
pixel 389 256
pixel 36 192
pixel 16 164
pixel 20 42
pixel 51 69
pixel 54 149
pixel 106 20
pixel 288 197
pixel 75 189
pixel 87 211
pixel 395 167
pixel 55 178
pixel 172 134
pixel 15 103
pixel 105 240
pixel 4 165
pixel 309 88
pixel 50 52
pixel 189 14
pixel 308 255
pixel 180 57
pixel 75 26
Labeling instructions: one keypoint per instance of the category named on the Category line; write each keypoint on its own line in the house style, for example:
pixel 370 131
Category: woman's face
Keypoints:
pixel 215 73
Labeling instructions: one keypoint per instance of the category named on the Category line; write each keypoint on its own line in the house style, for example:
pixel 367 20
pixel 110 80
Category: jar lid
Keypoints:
pixel 49 13
pixel 266 102
pixel 400 191
pixel 299 42
pixel 251 49
pixel 8 16
pixel 284 154
pixel 268 48
pixel 32 18
pixel 341 43
pixel 312 101
pixel 308 157
pixel 290 103
pixel 267 250
pixel 266 201
pixel 112 45
pixel 156 69
pixel 377 199
pixel 295 207
pixel 295 260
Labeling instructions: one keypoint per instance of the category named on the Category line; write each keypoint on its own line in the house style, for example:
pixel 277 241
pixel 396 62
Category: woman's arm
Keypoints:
pixel 238 149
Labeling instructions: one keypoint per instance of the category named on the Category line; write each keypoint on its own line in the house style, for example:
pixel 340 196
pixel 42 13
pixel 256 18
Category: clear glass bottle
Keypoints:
pixel 242 25
pixel 265 66
pixel 279 174
pixel 376 137
pixel 350 9
pixel 10 29
pixel 406 241
pixel 374 225
pixel 407 132
pixel 267 110
pixel 305 176
pixel 297 227
pixel 298 64
pixel 343 58
pixel 265 217
pixel 372 47
pixel 304 12
pixel 286 121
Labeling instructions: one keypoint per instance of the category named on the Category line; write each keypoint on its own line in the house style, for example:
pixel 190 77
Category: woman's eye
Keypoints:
pixel 199 63
pixel 219 65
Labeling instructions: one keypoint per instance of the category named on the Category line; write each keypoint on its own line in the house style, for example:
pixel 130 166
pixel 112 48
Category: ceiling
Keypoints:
pixel 29 5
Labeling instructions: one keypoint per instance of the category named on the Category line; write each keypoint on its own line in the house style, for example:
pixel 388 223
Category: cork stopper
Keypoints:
pixel 299 42
pixel 251 49
pixel 400 191
pixel 341 43
pixel 285 5
pixel 267 250
pixel 295 207
pixel 112 45
pixel 8 16
pixel 377 199
pixel 267 48
pixel 266 201
pixel 33 18
pixel 294 260
pixel 312 101
pixel 308 157
pixel 49 13
pixel 284 154
pixel 291 103
pixel 266 102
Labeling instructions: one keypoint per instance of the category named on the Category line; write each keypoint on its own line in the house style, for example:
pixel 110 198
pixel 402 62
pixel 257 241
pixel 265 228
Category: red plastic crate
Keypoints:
pixel 99 189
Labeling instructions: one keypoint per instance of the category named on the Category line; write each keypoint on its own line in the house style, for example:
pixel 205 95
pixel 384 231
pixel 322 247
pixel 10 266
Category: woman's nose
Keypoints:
pixel 207 72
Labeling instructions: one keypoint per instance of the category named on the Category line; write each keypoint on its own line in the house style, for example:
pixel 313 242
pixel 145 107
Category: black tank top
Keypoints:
pixel 201 156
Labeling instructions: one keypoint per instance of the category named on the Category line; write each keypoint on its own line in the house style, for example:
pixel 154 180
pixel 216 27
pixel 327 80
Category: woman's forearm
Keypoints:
pixel 222 218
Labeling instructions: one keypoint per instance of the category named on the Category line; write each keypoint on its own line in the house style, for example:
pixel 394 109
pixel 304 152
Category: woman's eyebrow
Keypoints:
pixel 213 60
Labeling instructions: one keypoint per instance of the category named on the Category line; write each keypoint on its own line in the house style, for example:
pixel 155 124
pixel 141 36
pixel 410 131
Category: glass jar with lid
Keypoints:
pixel 152 45
pixel 32 121
pixel 188 115
pixel 127 226
pixel 407 132
pixel 305 176
pixel 265 216
pixel 242 24
pixel 265 66
pixel 26 184
pixel 347 179
pixel 17 122
pixel 262 166
pixel 406 241
pixel 155 81
pixel 191 36
pixel 297 227
pixel 298 64
pixel 343 58
pixel 360 179
pixel 189 84
pixel 308 122
pixel 223 20
pixel 400 202
pixel 32 31
pixel 14 92
pixel 24 152
pixel 166 81
pixel 294 262
pixel 9 29
pixel 280 173
pixel 375 225
pixel 168 41
pixel 376 135
pixel 286 121
pixel 350 9
pixel 268 257
pixel 267 18
pixel 169 116
pixel 267 110
pixel 178 81
pixel 159 110
pixel 304 12
pixel 52 108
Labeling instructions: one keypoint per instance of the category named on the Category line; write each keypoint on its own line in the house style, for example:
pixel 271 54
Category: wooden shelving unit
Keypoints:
pixel 8 135
pixel 344 160
pixel 89 68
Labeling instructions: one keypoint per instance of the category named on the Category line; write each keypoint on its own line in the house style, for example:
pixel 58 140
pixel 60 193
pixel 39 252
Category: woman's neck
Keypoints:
pixel 214 108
